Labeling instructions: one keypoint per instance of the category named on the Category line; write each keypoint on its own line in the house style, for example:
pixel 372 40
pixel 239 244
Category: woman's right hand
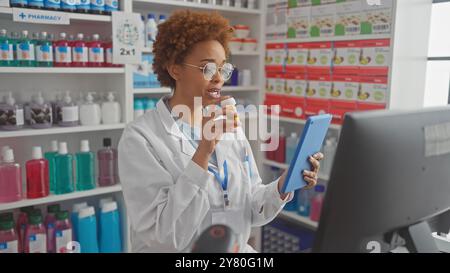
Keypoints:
pixel 212 130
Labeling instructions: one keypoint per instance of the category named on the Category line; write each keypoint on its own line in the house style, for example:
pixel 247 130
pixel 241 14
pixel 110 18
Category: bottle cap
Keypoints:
pixel 150 16
pixel 35 219
pixel 62 215
pixel 110 96
pixel 54 146
pixel 6 225
pixel 106 142
pixel 39 99
pixel 53 208
pixel 7 216
pixel 62 148
pixel 162 17
pixel 8 156
pixel 2 151
pixel 319 188
pixel 62 35
pixel 105 200
pixel 77 207
pixel 36 152
pixel 44 34
pixel 230 101
pixel 25 32
pixel 86 212
pixel 89 97
pixel 109 206
pixel 80 36
pixel 67 97
pixel 3 31
pixel 84 146
pixel 9 99
pixel 95 37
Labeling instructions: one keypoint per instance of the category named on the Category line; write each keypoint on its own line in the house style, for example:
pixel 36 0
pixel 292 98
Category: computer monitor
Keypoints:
pixel 391 174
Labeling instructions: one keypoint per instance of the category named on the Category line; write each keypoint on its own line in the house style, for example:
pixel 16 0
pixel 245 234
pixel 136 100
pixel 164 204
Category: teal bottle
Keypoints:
pixel 85 165
pixel 64 170
pixel 50 156
pixel 25 51
pixel 44 51
pixel 6 49
pixel 15 41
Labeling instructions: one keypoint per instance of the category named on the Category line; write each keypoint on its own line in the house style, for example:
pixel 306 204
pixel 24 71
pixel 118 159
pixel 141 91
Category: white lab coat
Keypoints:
pixel 170 199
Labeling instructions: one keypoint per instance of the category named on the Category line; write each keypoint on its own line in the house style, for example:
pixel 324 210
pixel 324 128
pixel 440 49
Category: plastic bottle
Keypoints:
pixel 90 112
pixel 280 155
pixel 37 175
pixel 52 4
pixel 11 114
pixel 110 235
pixel 84 6
pixel 162 19
pixel 96 52
pixel 107 165
pixel 18 3
pixel 50 156
pixel 22 223
pixel 304 202
pixel 69 5
pixel 9 242
pixel 6 49
pixel 85 166
pixel 10 179
pixel 7 216
pixel 63 52
pixel 64 170
pixel 108 46
pixel 25 51
pixel 80 52
pixel 44 51
pixel 35 234
pixel 317 202
pixel 57 109
pixel 69 112
pixel 291 147
pixel 40 113
pixel 63 231
pixel 36 4
pixel 3 151
pixel 98 6
pixel 87 230
pixel 111 112
pixel 329 151
pixel 50 224
pixel 149 105
pixel 111 5
pixel 138 108
pixel 151 29
pixel 15 39
pixel 74 217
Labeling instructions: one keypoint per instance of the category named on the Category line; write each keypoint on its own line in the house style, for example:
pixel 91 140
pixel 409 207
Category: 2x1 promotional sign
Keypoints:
pixel 128 37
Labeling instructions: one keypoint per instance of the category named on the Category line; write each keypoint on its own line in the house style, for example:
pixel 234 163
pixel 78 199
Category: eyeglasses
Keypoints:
pixel 210 69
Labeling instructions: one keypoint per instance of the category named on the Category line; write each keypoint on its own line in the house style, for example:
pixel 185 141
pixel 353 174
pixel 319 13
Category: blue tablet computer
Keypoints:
pixel 311 141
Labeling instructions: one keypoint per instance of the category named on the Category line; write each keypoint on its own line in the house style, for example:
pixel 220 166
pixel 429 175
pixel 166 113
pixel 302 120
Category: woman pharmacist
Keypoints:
pixel 176 185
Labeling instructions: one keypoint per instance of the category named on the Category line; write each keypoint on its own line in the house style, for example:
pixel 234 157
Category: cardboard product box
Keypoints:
pixel 4 3
pixel 297 56
pixel 344 96
pixel 298 22
pixel 276 101
pixel 323 19
pixel 276 19
pixel 373 93
pixel 375 57
pixel 296 85
pixel 319 87
pixel 348 18
pixel 376 19
pixel 143 74
pixel 293 108
pixel 275 83
pixel 320 58
pixel 346 57
pixel 323 2
pixel 275 57
pixel 299 3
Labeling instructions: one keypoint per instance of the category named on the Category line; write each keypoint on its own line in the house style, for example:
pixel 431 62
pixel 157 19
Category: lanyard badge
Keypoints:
pixel 223 181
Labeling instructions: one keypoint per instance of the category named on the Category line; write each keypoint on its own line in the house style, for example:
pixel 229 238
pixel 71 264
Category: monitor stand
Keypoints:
pixel 418 238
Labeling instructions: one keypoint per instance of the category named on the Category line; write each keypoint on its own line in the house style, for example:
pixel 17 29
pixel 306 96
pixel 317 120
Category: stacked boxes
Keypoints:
pixel 327 77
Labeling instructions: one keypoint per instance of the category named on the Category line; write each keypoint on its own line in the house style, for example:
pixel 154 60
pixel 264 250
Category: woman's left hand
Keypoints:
pixel 311 176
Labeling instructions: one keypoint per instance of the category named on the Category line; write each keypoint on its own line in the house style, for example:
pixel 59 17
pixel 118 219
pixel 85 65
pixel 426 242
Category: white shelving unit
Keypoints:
pixel 407 63
pixel 62 70
pixel 6 12
pixel 304 221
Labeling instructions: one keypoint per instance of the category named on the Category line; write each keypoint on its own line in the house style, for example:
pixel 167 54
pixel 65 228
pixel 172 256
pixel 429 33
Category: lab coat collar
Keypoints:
pixel 172 128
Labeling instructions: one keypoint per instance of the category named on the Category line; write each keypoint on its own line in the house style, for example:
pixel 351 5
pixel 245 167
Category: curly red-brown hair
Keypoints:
pixel 180 33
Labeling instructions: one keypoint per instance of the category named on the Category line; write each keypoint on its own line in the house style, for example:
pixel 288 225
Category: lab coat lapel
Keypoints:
pixel 172 128
pixel 222 149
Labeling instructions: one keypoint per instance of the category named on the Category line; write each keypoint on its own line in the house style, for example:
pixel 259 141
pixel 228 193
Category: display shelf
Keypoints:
pixel 59 198
pixel 331 39
pixel 62 70
pixel 6 12
pixel 157 90
pixel 60 130
pixel 303 122
pixel 291 215
pixel 251 88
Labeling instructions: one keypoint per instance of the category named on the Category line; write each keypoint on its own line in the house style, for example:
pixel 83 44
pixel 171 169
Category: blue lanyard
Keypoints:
pixel 223 182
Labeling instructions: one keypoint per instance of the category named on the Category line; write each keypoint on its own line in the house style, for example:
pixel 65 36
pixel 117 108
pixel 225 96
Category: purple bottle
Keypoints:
pixel 107 165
